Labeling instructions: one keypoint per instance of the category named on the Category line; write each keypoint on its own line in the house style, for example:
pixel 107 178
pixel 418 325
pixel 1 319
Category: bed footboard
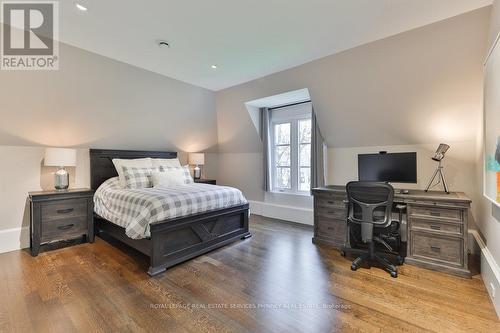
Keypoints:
pixel 178 240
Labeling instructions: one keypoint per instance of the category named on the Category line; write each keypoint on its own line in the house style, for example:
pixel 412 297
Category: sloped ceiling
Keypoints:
pixel 246 39
pixel 421 86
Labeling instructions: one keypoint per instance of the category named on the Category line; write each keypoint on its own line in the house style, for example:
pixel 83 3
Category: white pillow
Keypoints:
pixel 166 162
pixel 186 174
pixel 135 163
pixel 168 179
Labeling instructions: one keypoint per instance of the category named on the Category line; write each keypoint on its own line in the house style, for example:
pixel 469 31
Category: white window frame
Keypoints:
pixel 293 118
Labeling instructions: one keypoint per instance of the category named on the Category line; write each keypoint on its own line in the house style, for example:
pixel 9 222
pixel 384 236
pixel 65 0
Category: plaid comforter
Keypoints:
pixel 135 209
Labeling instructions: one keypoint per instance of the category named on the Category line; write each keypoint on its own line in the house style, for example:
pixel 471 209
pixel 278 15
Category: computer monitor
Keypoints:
pixel 383 167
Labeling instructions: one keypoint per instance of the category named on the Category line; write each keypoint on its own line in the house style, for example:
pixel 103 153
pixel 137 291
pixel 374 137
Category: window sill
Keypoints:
pixel 300 194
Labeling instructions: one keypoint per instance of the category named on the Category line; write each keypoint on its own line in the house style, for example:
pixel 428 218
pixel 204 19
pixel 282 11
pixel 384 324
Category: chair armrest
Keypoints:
pixel 403 224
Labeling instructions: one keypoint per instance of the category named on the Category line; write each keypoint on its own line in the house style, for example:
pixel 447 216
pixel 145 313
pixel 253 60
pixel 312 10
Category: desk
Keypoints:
pixel 437 225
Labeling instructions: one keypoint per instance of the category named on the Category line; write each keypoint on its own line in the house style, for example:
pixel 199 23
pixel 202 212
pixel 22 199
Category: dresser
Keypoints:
pixel 60 216
pixel 437 225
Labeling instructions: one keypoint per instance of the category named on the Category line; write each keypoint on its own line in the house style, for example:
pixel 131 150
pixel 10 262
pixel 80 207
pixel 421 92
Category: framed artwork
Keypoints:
pixel 491 120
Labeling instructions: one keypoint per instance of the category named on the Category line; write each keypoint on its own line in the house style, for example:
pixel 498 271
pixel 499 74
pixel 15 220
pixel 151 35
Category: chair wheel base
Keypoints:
pixel 354 267
pixel 342 253
pixel 394 274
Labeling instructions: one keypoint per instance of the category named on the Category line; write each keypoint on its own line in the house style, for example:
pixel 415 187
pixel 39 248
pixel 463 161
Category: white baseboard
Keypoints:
pixel 14 239
pixel 287 213
pixel 490 272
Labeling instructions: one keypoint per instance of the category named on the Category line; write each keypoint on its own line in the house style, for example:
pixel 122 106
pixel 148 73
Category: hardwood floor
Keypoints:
pixel 272 282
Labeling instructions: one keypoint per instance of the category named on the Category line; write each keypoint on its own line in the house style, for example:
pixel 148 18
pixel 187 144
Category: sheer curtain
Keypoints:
pixel 318 159
pixel 264 133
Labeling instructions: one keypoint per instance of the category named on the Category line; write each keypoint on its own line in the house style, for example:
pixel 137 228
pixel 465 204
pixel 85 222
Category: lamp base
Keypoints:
pixel 197 172
pixel 61 179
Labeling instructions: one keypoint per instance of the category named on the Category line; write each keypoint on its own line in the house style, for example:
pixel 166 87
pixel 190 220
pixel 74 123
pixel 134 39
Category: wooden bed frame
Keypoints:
pixel 175 240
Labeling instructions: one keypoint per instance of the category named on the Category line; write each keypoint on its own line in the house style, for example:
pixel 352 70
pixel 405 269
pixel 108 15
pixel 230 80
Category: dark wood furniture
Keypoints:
pixel 175 240
pixel 206 181
pixel 437 225
pixel 60 216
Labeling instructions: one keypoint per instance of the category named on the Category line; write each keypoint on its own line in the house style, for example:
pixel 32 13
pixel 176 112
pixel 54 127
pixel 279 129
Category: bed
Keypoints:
pixel 175 239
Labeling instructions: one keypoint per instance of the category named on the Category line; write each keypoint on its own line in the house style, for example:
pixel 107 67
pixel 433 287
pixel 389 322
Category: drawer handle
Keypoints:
pixel 435 227
pixel 435 214
pixel 436 248
pixel 65 211
pixel 330 212
pixel 331 202
pixel 66 227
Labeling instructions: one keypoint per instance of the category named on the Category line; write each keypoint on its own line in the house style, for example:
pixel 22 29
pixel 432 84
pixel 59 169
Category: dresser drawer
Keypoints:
pixel 437 226
pixel 331 212
pixel 64 228
pixel 427 246
pixel 331 228
pixel 330 201
pixel 437 213
pixel 64 209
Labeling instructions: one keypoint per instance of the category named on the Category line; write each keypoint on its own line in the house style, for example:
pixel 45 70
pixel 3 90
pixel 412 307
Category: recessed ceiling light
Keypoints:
pixel 214 66
pixel 80 7
pixel 162 43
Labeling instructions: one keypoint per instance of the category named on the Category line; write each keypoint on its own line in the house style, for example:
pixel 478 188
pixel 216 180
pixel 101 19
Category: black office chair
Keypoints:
pixel 370 207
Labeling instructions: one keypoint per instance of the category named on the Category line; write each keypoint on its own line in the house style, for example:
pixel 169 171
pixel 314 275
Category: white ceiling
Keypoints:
pixel 246 39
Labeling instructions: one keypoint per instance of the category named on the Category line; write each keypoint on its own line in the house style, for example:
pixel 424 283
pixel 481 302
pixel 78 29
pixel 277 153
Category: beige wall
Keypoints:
pixel 489 214
pixel 414 90
pixel 420 86
pixel 93 102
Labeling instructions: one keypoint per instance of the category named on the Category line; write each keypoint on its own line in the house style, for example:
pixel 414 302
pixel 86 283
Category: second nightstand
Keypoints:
pixel 60 216
pixel 206 181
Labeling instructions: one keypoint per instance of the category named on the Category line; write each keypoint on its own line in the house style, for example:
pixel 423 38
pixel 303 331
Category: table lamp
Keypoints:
pixel 197 159
pixel 60 157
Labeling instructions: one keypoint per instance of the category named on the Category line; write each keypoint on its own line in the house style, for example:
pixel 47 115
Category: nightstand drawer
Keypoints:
pixel 64 228
pixel 64 209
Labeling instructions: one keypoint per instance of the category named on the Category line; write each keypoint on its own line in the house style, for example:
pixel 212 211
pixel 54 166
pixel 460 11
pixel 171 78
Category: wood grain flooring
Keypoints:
pixel 272 282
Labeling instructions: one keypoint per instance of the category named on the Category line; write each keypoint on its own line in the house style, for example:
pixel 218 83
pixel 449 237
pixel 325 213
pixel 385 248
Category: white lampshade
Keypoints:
pixel 197 159
pixel 60 157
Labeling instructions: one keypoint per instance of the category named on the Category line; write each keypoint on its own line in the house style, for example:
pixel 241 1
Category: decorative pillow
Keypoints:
pixel 186 175
pixel 166 162
pixel 137 177
pixel 171 178
pixel 136 163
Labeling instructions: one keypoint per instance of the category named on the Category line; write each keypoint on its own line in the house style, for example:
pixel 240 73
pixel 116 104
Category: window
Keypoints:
pixel 291 150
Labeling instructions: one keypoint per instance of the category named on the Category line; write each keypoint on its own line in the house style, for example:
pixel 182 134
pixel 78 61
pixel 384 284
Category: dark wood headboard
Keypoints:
pixel 102 168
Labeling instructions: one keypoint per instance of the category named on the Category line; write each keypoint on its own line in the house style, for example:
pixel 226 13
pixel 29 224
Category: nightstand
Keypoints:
pixel 206 181
pixel 60 216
